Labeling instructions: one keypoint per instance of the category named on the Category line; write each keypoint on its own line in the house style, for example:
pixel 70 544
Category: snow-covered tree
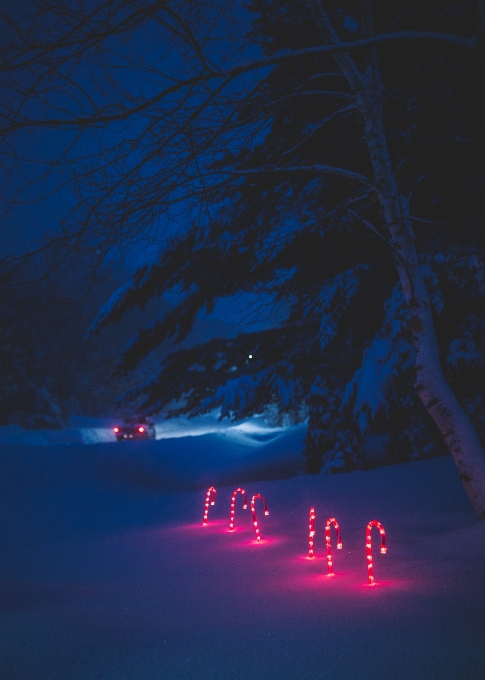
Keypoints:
pixel 48 369
pixel 320 166
pixel 27 396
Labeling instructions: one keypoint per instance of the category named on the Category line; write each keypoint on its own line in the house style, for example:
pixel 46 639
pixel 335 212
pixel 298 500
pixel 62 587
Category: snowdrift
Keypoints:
pixel 107 576
pixel 232 455
pixel 86 430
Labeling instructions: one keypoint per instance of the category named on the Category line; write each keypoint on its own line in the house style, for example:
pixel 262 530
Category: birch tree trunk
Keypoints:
pixel 431 386
pixel 435 393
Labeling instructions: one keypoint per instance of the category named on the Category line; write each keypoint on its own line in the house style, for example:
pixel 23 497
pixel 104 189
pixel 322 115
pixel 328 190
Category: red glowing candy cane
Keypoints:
pixel 255 521
pixel 233 506
pixel 311 532
pixel 368 546
pixel 328 524
pixel 210 499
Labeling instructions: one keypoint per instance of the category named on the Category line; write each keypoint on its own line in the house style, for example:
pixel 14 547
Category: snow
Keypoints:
pixel 108 573
pixel 334 300
pixel 389 355
pixel 86 430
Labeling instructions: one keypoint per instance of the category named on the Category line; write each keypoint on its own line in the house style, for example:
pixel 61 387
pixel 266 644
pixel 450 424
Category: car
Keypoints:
pixel 135 427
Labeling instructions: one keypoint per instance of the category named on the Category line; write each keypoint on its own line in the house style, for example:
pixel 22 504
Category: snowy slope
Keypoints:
pixel 114 578
pixel 85 430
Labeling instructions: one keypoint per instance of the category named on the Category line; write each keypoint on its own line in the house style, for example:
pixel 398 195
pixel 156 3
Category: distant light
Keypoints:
pixel 328 524
pixel 250 356
pixel 116 429
pixel 368 547
pixel 210 499
pixel 233 506
pixel 141 429
pixel 253 510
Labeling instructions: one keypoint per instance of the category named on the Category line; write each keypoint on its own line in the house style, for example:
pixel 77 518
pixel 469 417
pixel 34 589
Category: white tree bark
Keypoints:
pixel 431 386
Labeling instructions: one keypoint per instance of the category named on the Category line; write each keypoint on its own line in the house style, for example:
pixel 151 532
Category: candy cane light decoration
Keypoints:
pixel 253 510
pixel 328 524
pixel 368 547
pixel 311 532
pixel 233 506
pixel 210 499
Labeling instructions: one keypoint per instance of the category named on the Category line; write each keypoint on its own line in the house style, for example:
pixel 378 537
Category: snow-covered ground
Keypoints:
pixel 85 430
pixel 108 573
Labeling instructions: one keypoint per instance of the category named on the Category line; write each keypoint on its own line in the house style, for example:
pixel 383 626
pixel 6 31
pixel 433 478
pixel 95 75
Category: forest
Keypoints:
pixel 316 166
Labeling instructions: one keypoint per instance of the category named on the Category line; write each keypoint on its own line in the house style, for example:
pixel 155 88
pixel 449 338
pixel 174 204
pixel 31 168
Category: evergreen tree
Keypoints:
pixel 27 396
pixel 48 369
pixel 317 245
pixel 331 174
